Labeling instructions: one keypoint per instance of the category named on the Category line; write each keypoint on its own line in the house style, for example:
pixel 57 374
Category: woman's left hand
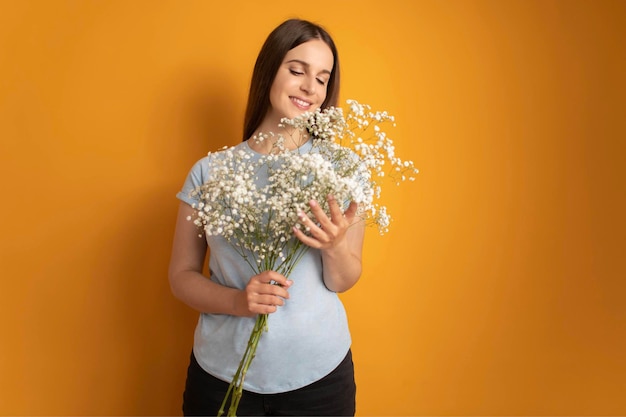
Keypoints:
pixel 329 231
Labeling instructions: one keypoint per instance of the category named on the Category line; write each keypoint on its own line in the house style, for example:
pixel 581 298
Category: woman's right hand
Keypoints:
pixel 264 293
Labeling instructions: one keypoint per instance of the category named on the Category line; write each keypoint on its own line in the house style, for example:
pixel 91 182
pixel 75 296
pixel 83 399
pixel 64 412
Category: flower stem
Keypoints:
pixel 235 389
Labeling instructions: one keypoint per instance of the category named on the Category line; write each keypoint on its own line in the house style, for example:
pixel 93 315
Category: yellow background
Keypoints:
pixel 500 288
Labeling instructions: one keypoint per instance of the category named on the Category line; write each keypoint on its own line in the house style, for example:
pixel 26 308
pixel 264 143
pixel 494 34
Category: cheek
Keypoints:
pixel 321 95
pixel 323 92
pixel 279 86
pixel 324 89
pixel 275 93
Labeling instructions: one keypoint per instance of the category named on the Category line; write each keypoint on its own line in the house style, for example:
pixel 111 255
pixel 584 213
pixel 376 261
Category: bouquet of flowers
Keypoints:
pixel 350 156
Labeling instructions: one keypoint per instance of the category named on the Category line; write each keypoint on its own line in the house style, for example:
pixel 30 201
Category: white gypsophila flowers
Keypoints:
pixel 359 131
pixel 350 157
pixel 257 217
pixel 254 201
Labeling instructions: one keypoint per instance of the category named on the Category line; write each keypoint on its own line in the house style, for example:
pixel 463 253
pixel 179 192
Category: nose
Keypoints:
pixel 308 85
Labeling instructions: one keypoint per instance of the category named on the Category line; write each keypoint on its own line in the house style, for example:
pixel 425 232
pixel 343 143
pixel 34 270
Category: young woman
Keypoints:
pixel 303 364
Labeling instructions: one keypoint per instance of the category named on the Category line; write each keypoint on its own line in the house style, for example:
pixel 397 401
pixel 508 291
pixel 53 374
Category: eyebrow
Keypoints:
pixel 306 64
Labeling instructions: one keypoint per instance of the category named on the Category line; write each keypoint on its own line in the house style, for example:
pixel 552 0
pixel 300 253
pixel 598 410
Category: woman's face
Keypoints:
pixel 301 80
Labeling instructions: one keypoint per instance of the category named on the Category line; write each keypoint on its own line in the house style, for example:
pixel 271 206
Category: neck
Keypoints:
pixel 293 138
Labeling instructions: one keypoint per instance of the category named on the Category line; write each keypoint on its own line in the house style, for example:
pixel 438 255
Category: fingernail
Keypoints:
pixel 313 203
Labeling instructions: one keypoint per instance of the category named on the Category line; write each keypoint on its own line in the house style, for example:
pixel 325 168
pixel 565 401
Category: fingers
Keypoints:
pixel 266 292
pixel 317 232
pixel 336 216
pixel 335 211
pixel 330 228
pixel 351 211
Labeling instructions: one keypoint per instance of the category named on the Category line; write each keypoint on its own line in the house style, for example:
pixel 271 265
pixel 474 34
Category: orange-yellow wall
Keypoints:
pixel 500 289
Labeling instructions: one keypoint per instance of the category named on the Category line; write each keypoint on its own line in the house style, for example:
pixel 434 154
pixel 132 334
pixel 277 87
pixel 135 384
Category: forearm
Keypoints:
pixel 341 268
pixel 206 296
pixel 340 240
pixel 187 282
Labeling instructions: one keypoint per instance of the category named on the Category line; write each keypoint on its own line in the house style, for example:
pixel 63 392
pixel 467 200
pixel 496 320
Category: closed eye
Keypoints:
pixel 320 81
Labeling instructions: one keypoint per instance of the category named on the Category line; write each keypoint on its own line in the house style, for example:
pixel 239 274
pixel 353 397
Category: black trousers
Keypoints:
pixel 333 395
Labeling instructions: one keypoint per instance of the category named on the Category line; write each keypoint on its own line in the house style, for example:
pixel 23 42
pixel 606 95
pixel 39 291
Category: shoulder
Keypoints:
pixel 206 164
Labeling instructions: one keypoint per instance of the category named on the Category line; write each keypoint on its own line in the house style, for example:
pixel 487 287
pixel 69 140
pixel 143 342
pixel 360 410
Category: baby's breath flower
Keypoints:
pixel 350 156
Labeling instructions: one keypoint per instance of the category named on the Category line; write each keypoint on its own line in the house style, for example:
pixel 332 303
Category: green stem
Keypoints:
pixel 235 389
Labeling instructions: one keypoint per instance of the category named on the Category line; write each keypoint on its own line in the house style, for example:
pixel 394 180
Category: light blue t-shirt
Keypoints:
pixel 307 337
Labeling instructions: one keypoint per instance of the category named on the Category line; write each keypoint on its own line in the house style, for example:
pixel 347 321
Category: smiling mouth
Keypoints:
pixel 301 104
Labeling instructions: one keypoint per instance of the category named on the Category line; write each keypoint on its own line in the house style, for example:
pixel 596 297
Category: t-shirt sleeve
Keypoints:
pixel 196 177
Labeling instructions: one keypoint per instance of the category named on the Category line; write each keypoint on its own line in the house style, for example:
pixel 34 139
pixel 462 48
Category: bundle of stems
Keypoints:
pixel 235 389
pixel 236 386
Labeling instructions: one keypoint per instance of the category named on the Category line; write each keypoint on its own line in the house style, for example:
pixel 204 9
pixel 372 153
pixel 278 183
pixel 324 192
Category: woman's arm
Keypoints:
pixel 340 240
pixel 197 291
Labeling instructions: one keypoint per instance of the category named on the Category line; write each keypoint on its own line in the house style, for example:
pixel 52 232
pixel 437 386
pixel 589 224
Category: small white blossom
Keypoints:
pixel 348 158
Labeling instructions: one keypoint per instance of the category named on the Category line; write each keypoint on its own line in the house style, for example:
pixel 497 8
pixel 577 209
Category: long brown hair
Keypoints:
pixel 282 39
